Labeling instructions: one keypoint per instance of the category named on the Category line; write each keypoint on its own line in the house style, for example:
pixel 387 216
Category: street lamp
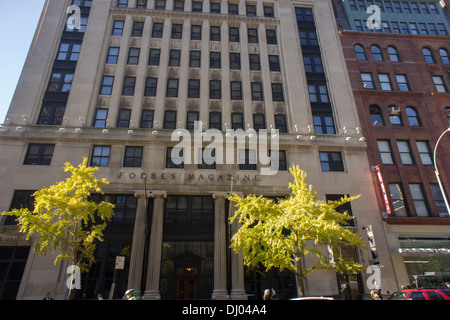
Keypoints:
pixel 437 172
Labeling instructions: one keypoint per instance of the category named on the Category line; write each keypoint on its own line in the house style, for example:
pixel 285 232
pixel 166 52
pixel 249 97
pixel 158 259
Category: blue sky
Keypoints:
pixel 18 21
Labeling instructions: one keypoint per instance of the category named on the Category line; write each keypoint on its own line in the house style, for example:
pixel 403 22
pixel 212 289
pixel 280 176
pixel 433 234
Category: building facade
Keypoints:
pixel 115 90
pixel 400 80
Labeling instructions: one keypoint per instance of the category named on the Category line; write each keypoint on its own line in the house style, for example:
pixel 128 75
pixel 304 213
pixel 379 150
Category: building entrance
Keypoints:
pixel 186 288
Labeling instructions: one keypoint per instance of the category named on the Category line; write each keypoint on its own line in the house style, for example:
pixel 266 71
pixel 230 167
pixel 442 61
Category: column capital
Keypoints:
pixel 140 194
pixel 158 194
pixel 220 195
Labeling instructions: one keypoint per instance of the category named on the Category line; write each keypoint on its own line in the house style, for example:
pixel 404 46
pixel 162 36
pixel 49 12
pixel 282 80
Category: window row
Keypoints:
pixel 385 82
pixel 405 152
pixel 215 59
pixel 396 6
pixel 170 120
pixel 197 6
pixel 400 27
pixel 172 86
pixel 234 34
pixel 419 201
pixel 395 116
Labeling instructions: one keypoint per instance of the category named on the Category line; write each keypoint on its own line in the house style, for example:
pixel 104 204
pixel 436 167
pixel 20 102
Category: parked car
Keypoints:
pixel 421 294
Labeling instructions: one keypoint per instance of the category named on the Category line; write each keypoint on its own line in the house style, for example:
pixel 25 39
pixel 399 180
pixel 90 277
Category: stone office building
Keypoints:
pixel 116 88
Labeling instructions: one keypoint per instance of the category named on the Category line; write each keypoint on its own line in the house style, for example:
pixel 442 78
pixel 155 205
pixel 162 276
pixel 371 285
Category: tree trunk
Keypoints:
pixel 300 286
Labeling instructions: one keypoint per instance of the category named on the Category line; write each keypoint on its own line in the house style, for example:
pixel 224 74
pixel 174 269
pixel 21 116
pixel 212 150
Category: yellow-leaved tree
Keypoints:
pixel 279 234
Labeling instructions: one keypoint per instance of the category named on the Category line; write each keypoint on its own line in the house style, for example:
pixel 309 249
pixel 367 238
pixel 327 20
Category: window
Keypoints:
pixel 277 92
pixel 123 121
pixel 309 38
pixel 344 208
pixel 367 81
pixel 233 34
pixel 442 29
pixel 133 55
pixel 428 55
pixel 413 117
pixel 192 117
pixel 51 113
pixel 138 28
pixel 215 89
pixel 150 87
pixel 197 6
pixel 160 4
pixel 236 90
pixel 376 53
pixel 255 62
pixel 402 82
pixel 433 30
pixel 235 60
pixel 439 84
pixel 118 27
pixel 100 156
pixel 128 86
pixel 60 81
pixel 251 10
pixel 147 119
pixel 385 81
pixel 331 161
pixel 439 200
pixel 177 31
pixel 398 201
pixel 247 160
pixel 174 58
pixel 39 154
pixel 196 32
pixel 405 152
pixel 172 88
pixel 113 55
pixel 404 27
pixel 259 121
pixel 268 11
pixel 69 51
pixel 433 8
pixel 385 152
pixel 214 33
pixel 281 164
pixel 406 8
pixel 215 60
pixel 271 36
pixel 133 157
pixel 393 54
pixel 252 35
pixel 194 88
pixel 215 7
pixel 376 115
pixel 424 153
pixel 170 120
pixel 107 85
pixel 413 28
pixel 100 118
pixel 233 8
pixel 418 199
pixel 395 116
pixel 122 3
pixel 141 4
pixel 237 121
pixel 257 94
pixel 157 30
pixel 358 25
pixel 215 120
pixel 323 122
pixel 280 123
pixel 360 52
pixel 154 56
pixel 423 28
pixel 178 5
pixel 318 93
pixel 274 63
pixel 207 158
pixel 424 8
pixel 444 56
pixel 175 158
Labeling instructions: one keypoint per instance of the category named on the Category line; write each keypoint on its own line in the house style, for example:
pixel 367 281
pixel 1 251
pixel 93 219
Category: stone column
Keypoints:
pixel 138 245
pixel 237 263
pixel 220 248
pixel 155 248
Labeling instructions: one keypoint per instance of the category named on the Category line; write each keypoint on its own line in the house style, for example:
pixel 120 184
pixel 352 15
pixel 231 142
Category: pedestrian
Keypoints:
pixel 347 292
pixel 375 296
pixel 99 296
pixel 267 295
pixel 130 294
pixel 48 296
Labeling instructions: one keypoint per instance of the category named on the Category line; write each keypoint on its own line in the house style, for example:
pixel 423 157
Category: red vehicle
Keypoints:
pixel 421 294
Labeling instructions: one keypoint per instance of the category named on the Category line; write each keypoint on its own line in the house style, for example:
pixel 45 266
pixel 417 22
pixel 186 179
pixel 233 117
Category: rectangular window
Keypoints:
pixel 133 55
pixel 424 152
pixel 157 30
pixel 313 64
pixel 233 8
pixel 160 4
pixel 172 88
pixel 385 81
pixel 405 152
pixel 133 157
pixel 196 32
pixel 419 199
pixel 138 28
pixel 215 89
pixel 51 113
pixel 39 154
pixel 402 82
pixel 318 93
pixel 147 119
pixel 398 201
pixel 174 58
pixel 107 85
pixel 214 33
pixel 367 81
pixel 215 120
pixel 257 91
pixel 323 122
pixel 118 27
pixel 60 81
pixel 237 121
pixel 268 11
pixel 128 86
pixel 154 56
pixel 254 62
pixel 259 121
pixel 100 118
pixel 194 88
pixel 207 158
pixel 215 60
pixel 177 31
pixel 271 36
pixel 439 83
pixel 235 60
pixel 170 120
pixel 150 87
pixel 251 10
pixel 252 35
pixel 69 51
pixel 214 7
pixel 236 90
pixel 385 152
pixel 234 34
pixel 280 123
pixel 247 160
pixel 331 161
pixel 192 117
pixel 122 3
pixel 123 121
pixel 175 158
pixel 141 4
pixel 277 92
pixel 113 55
pixel 100 156
pixel 439 200
pixel 197 6
pixel 274 63
pixel 178 5
pixel 282 162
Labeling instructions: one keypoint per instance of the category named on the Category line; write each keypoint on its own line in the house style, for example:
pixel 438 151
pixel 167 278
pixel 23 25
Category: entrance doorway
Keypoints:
pixel 186 288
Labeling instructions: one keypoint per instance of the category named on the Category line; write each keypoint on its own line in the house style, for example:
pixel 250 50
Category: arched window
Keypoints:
pixel 447 112
pixel 360 52
pixel 395 116
pixel 393 54
pixel 413 117
pixel 376 53
pixel 428 55
pixel 376 115
pixel 444 56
